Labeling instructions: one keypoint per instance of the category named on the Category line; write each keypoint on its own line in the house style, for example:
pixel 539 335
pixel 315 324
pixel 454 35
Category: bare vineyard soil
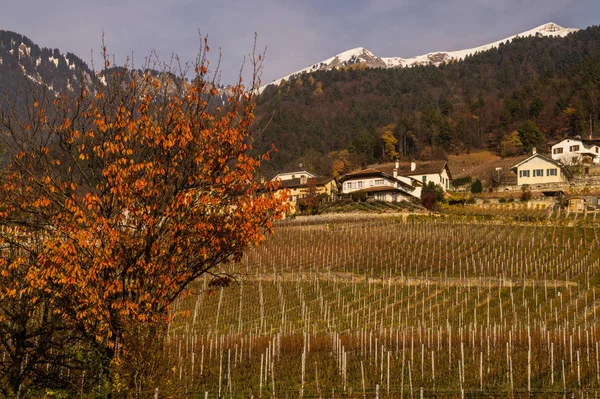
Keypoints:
pixel 399 307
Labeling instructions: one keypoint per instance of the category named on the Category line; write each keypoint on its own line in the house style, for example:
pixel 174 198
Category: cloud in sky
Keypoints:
pixel 296 33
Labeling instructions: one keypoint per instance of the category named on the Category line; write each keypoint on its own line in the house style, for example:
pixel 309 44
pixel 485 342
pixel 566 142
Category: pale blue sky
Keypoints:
pixel 297 33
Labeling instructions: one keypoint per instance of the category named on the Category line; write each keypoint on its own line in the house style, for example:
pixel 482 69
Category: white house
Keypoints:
pixel 425 172
pixel 301 184
pixel 294 173
pixel 380 185
pixel 572 151
pixel 540 169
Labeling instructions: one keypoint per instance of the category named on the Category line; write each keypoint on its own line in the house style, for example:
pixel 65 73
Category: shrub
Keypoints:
pixel 526 194
pixel 477 187
pixel 462 181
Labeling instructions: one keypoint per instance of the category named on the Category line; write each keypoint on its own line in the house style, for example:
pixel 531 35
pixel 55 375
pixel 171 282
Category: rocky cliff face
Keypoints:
pixel 23 62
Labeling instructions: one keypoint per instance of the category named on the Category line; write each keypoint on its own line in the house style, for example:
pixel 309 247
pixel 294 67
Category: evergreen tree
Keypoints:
pixel 530 136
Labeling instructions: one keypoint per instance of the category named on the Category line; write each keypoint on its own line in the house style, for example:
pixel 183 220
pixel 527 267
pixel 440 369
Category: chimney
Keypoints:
pixel 534 151
pixel 396 166
pixel 413 166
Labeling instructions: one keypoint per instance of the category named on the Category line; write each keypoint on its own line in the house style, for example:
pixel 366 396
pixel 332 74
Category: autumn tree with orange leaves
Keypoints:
pixel 115 199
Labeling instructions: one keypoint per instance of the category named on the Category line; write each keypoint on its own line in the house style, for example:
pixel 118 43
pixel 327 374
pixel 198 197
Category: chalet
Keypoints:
pixel 380 185
pixel 437 172
pixel 540 169
pixel 572 151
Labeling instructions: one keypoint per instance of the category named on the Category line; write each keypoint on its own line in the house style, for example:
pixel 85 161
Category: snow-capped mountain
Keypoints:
pixel 362 55
pixel 349 57
pixel 24 62
pixel 26 67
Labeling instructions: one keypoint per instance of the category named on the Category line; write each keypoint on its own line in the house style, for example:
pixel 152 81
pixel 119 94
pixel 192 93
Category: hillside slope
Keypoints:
pixel 339 117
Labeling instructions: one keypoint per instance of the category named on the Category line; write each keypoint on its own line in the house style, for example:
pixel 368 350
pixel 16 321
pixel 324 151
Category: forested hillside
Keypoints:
pixel 509 99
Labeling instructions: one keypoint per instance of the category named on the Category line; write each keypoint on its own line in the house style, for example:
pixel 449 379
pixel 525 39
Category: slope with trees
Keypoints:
pixel 541 87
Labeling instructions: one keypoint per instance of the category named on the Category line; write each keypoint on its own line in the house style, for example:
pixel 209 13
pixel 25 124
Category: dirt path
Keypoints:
pixel 412 281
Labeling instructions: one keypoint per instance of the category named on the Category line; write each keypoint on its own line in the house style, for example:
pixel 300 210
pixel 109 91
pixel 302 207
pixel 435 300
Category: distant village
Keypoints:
pixel 571 171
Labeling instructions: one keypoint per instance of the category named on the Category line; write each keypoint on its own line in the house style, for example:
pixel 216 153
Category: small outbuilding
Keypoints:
pixel 576 204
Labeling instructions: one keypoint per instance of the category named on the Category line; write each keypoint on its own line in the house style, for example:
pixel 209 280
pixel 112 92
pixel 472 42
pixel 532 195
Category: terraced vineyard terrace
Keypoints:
pixel 399 307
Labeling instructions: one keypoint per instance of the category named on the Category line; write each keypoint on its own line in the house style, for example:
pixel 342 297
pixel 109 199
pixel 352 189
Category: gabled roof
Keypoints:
pixel 363 173
pixel 296 183
pixel 422 168
pixel 547 159
pixel 371 172
pixel 584 141
pixel 294 170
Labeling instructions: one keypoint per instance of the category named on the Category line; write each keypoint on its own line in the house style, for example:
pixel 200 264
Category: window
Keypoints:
pixel 293 176
pixel 371 183
pixel 551 172
pixel 596 148
pixel 380 196
pixel 538 172
pixel 424 179
pixel 379 182
pixel 557 150
pixel 524 173
pixel 360 184
pixel 349 185
pixel 574 148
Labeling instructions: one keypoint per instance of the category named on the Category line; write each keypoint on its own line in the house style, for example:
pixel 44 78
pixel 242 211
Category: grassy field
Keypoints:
pixel 400 306
pixel 479 163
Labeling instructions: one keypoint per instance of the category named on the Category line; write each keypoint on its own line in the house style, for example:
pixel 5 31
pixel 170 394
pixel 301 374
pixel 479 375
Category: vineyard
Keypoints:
pixel 400 307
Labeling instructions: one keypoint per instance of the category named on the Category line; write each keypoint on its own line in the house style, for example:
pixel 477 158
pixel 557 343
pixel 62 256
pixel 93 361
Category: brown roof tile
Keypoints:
pixel 295 183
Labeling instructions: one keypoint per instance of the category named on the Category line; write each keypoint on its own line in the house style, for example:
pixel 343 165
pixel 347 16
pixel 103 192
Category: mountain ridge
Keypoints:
pixel 23 62
pixel 362 55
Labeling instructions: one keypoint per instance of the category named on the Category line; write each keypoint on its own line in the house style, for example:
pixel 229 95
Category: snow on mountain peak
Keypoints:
pixel 358 55
pixel 362 55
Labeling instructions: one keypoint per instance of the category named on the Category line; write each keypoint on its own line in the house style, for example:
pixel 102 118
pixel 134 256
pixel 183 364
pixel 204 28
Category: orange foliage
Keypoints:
pixel 132 191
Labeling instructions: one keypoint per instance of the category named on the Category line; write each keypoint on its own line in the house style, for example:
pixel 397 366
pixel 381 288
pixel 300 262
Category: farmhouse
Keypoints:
pixel 573 151
pixel 380 185
pixel 301 184
pixel 293 173
pixel 299 187
pixel 437 172
pixel 540 169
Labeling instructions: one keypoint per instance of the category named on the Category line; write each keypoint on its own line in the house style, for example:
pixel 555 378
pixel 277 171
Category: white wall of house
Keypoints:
pixel 570 151
pixel 360 183
pixel 539 171
pixel 441 179
pixel 388 196
pixel 293 175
